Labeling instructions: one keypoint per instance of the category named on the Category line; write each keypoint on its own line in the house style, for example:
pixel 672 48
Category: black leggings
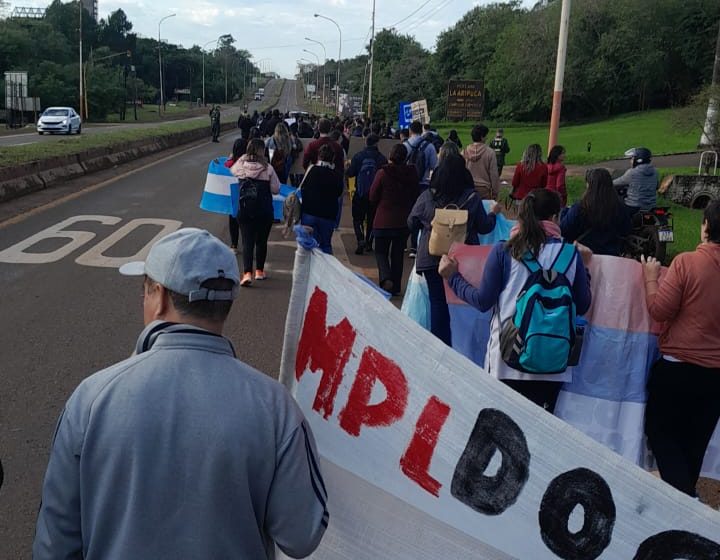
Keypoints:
pixel 234 230
pixel 254 241
pixel 682 411
pixel 389 254
pixel 542 393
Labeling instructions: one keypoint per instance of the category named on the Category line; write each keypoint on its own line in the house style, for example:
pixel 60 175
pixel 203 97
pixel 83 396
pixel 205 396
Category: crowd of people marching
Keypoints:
pixel 395 206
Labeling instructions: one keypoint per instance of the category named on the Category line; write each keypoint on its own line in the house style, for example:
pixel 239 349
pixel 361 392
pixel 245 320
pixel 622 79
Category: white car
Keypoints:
pixel 59 119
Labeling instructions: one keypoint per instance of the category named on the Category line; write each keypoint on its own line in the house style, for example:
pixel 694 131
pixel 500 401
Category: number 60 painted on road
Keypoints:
pixel 17 254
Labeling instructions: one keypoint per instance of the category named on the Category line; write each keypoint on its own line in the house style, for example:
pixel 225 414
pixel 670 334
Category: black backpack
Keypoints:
pixel 366 176
pixel 252 196
pixel 418 158
pixel 435 139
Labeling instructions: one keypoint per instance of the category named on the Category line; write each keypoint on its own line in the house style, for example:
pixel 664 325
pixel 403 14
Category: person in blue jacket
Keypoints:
pixel 599 220
pixel 451 183
pixel 504 278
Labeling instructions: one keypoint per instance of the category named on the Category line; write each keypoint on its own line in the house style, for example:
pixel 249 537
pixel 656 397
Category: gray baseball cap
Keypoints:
pixel 184 259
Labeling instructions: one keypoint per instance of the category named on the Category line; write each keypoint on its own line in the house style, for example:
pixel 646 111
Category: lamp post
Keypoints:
pixel 160 107
pixel 203 64
pixel 324 63
pixel 317 73
pixel 83 114
pixel 337 80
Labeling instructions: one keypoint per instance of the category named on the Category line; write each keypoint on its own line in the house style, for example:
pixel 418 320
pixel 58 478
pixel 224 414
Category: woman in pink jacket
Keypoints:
pixel 556 172
pixel 258 182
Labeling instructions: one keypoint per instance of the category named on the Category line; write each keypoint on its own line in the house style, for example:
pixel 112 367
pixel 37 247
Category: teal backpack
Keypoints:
pixel 540 336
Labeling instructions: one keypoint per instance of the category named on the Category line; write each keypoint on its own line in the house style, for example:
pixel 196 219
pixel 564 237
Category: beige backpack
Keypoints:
pixel 449 226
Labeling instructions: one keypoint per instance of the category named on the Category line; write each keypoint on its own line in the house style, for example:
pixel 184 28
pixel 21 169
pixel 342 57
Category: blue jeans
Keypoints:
pixel 439 311
pixel 322 231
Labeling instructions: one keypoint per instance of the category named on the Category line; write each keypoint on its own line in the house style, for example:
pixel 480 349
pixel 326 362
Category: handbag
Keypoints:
pixel 292 208
pixel 449 225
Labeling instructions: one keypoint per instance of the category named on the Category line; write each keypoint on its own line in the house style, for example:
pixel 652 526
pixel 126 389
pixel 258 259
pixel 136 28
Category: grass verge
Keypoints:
pixel 609 139
pixel 13 155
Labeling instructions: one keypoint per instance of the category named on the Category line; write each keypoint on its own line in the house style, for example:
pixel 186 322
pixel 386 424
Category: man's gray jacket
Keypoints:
pixel 181 451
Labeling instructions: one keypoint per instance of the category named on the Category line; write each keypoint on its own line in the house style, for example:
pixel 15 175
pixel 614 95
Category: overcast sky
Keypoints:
pixel 277 29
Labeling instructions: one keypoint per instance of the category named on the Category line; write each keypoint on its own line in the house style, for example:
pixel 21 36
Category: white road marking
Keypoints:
pixel 95 256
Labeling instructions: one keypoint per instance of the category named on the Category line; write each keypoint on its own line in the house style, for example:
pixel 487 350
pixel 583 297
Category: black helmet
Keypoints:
pixel 640 156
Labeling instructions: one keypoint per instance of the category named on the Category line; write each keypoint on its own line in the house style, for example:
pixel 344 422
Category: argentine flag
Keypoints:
pixel 279 201
pixel 222 191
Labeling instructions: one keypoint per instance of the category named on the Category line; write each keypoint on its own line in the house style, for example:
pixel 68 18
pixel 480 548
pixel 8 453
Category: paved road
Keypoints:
pixel 66 312
pixel 24 138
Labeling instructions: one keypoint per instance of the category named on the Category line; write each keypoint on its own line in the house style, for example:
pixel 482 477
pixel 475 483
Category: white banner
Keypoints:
pixel 425 456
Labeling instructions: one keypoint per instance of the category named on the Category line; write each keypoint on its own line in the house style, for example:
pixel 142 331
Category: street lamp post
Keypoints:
pixel 317 73
pixel 324 63
pixel 203 65
pixel 337 80
pixel 161 106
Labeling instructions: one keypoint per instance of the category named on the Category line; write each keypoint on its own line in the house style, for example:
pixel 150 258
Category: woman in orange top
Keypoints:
pixel 683 404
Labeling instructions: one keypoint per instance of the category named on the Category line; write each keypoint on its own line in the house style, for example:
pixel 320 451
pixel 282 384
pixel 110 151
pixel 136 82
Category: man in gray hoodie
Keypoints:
pixel 641 181
pixel 182 450
pixel 481 161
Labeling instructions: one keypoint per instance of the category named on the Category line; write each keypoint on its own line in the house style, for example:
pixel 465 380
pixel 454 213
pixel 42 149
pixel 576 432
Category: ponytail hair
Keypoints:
pixel 539 205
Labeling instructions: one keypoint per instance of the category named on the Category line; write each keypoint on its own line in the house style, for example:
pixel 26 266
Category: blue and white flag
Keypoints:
pixel 222 191
pixel 279 201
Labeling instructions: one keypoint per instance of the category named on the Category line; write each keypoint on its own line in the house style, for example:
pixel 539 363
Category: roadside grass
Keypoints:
pixel 686 221
pixel 609 139
pixel 12 155
pixel 149 113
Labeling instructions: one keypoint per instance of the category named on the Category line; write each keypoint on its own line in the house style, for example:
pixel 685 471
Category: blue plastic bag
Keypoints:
pixel 503 226
pixel 416 303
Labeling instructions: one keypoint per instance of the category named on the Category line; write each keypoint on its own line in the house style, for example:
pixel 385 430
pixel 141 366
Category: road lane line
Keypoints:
pixel 91 188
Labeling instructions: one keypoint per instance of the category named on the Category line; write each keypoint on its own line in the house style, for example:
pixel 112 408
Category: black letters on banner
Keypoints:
pixel 577 487
pixel 492 495
pixel 676 545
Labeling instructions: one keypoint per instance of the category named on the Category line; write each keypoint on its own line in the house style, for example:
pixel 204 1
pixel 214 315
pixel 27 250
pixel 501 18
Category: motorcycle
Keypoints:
pixel 652 231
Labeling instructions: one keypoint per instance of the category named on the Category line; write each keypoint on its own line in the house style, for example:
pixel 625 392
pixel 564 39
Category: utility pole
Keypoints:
pixel 711 134
pixel 162 105
pixel 83 114
pixel 559 73
pixel 372 56
pixel 337 80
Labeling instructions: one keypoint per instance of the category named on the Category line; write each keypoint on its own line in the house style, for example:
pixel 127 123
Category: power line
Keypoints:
pixel 427 16
pixel 351 40
pixel 411 14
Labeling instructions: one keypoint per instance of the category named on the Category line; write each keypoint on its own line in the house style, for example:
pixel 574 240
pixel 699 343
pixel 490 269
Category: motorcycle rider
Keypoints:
pixel 641 181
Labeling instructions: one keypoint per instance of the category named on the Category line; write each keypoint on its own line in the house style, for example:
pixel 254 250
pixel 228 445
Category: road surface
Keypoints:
pixel 24 138
pixel 67 312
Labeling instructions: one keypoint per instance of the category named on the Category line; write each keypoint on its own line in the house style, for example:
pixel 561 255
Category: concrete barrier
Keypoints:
pixel 25 178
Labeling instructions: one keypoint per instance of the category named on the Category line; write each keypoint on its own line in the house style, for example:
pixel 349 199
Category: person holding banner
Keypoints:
pixel 322 188
pixel 599 220
pixel 258 182
pixel 683 405
pixel 451 184
pixel 504 278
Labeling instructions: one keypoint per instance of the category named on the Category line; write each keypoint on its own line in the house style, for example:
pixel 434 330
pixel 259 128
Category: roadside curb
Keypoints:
pixel 22 179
